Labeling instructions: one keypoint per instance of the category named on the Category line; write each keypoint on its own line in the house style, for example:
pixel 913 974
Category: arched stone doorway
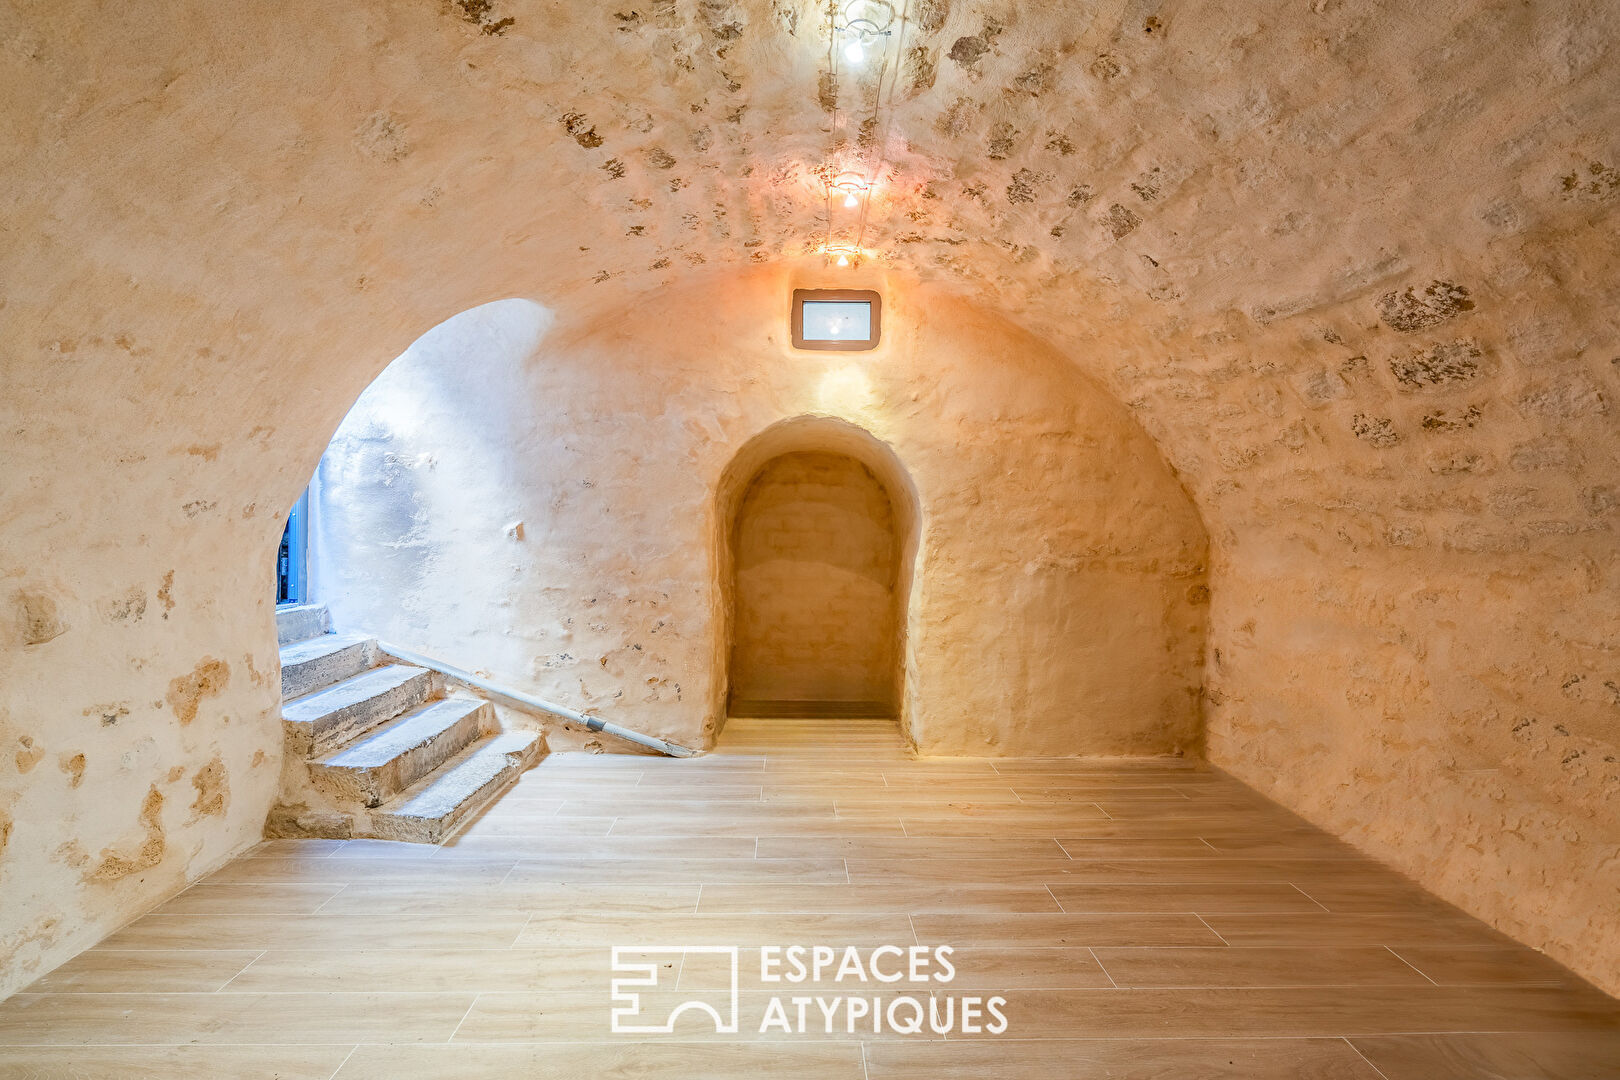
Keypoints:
pixel 819 534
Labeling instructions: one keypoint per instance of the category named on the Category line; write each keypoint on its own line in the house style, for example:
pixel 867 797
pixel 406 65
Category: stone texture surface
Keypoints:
pixel 301 622
pixel 317 662
pixel 431 810
pixel 629 470
pixel 399 753
pixel 380 753
pixel 814 588
pixel 332 716
pixel 1253 224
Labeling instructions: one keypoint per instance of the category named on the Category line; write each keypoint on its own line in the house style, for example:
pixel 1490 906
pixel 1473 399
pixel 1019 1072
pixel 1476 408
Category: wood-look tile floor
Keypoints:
pixel 1141 919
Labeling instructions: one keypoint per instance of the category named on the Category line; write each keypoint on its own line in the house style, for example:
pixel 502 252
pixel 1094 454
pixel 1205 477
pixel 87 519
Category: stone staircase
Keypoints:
pixel 375 748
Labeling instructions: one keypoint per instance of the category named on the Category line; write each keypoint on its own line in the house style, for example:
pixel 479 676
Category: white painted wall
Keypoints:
pixel 411 503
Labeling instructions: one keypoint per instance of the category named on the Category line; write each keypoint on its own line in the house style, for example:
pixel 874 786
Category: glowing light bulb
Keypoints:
pixel 853 51
pixel 851 201
pixel 843 260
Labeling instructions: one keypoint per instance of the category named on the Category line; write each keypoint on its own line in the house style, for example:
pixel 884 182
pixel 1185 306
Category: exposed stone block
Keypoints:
pixel 1411 310
pixel 1439 365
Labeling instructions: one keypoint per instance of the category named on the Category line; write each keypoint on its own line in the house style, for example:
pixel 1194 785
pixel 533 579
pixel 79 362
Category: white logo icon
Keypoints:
pixel 643 972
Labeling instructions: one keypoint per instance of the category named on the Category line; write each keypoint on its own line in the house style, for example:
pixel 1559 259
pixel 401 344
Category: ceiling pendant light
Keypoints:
pixel 852 185
pixel 863 26
pixel 842 255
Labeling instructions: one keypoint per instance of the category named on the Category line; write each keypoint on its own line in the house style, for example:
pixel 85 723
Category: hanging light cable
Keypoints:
pixel 865 28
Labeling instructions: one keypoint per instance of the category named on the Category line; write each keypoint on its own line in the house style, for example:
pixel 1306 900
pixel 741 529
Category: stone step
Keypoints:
pixel 307 666
pixel 299 622
pixel 385 762
pixel 430 810
pixel 328 718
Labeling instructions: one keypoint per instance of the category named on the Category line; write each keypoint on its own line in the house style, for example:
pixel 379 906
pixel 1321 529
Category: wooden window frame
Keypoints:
pixel 800 296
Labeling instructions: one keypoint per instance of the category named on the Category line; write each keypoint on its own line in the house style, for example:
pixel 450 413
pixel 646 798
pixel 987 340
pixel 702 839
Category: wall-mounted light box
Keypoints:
pixel 836 320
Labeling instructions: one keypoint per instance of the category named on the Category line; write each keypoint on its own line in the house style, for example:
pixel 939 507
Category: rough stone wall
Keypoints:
pixel 1436 715
pixel 1416 586
pixel 815 588
pixel 222 221
pixel 139 731
pixel 609 442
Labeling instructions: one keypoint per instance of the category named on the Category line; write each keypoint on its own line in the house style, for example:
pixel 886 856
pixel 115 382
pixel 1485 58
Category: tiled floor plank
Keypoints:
pixel 1142 919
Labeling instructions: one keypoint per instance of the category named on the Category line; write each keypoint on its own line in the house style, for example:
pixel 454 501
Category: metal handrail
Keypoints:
pixel 529 701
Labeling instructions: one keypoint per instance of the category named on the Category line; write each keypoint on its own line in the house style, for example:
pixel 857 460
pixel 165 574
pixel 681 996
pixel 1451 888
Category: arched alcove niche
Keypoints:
pixel 818 529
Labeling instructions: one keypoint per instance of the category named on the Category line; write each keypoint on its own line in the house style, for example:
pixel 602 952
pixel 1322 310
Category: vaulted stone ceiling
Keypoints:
pixel 1261 158
pixel 1147 183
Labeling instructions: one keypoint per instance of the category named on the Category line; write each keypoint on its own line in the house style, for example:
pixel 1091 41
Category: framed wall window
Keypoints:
pixel 836 320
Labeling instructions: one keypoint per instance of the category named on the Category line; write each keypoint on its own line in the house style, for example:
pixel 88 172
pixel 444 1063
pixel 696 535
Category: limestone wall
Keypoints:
pixel 1445 712
pixel 608 444
pixel 1416 582
pixel 816 585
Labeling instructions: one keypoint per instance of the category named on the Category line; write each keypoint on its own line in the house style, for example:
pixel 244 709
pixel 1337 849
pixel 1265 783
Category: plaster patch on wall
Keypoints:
pixel 186 692
pixel 127 606
pixel 1565 398
pixel 213 793
pixel 73 766
pixel 14 946
pixel 381 136
pixel 28 754
pixel 149 852
pixel 71 853
pixel 481 13
pixel 583 131
pixel 1120 221
pixel 255 676
pixel 1379 431
pixel 38 619
pixel 1447 420
pixel 1597 182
